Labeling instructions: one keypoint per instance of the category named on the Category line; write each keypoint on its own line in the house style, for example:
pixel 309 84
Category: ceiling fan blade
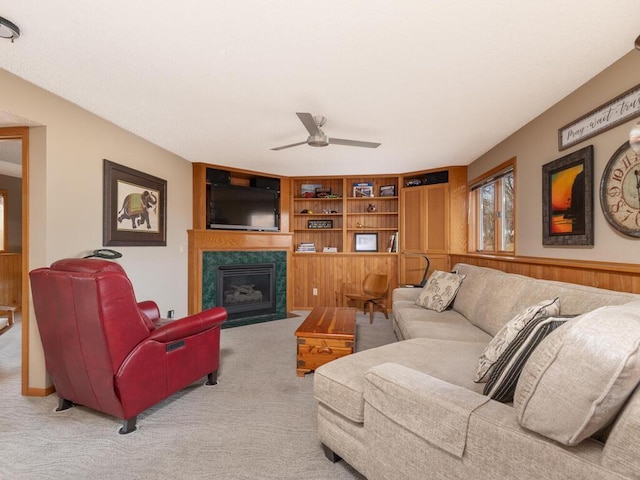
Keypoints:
pixel 289 146
pixel 353 143
pixel 309 123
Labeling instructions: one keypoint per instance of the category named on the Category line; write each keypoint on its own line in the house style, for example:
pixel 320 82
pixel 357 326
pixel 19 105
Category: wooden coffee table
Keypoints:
pixel 326 334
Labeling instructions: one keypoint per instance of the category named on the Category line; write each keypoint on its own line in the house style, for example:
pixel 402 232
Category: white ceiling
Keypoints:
pixel 436 82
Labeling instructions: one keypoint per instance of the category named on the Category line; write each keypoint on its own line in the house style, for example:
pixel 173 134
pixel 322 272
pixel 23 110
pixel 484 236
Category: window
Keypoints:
pixel 3 220
pixel 492 211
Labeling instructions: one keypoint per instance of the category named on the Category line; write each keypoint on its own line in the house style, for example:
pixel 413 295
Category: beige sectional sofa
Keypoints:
pixel 412 410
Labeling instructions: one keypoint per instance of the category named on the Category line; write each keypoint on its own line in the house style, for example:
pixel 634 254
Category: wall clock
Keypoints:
pixel 620 191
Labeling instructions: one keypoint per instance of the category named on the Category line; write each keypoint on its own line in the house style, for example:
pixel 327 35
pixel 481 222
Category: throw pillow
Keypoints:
pixel 508 332
pixel 506 371
pixel 440 290
pixel 580 376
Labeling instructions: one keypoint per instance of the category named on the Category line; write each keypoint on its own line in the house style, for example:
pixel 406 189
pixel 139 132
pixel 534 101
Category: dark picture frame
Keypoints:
pixel 131 217
pixel 365 242
pixel 567 199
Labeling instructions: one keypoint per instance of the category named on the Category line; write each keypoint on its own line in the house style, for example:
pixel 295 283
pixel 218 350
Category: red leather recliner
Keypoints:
pixel 105 351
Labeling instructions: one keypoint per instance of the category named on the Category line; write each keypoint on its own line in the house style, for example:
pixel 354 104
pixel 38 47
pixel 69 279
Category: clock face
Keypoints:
pixel 620 191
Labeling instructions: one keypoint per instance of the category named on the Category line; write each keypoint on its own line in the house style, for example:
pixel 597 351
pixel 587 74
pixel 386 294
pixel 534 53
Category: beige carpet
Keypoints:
pixel 259 422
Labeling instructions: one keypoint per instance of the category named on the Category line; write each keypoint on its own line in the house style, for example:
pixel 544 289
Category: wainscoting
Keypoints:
pixel 622 277
pixel 10 279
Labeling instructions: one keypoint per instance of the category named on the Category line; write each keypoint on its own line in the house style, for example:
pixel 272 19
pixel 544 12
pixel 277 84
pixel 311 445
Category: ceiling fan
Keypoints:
pixel 317 138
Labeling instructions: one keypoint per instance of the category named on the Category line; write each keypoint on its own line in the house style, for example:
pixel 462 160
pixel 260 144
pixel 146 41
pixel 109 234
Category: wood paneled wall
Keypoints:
pixel 622 277
pixel 333 275
pixel 10 279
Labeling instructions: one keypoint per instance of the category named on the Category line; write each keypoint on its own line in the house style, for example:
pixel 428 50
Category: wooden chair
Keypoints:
pixel 373 296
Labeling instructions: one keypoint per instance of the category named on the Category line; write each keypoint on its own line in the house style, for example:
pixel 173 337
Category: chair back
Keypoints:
pixel 376 285
pixel 89 322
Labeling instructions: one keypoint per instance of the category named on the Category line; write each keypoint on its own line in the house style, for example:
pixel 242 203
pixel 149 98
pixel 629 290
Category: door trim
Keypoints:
pixel 22 134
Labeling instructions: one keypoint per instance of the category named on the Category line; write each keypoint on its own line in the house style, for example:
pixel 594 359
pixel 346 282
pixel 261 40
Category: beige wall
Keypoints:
pixel 66 162
pixel 537 144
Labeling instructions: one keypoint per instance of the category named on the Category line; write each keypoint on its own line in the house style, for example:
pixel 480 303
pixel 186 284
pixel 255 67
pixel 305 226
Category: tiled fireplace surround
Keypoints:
pixel 212 260
pixel 210 248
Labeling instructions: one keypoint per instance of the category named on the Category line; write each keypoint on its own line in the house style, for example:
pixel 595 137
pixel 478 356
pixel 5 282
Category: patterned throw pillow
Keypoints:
pixel 440 290
pixel 505 336
pixel 506 371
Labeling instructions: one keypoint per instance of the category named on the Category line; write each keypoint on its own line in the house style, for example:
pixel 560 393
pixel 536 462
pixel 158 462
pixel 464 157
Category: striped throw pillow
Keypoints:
pixel 503 378
pixel 508 332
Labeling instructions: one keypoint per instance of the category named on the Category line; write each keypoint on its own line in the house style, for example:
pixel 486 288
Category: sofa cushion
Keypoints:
pixel 471 293
pixel 436 411
pixel 579 377
pixel 412 321
pixel 339 384
pixel 506 371
pixel 440 290
pixel 622 449
pixel 505 336
pixel 482 300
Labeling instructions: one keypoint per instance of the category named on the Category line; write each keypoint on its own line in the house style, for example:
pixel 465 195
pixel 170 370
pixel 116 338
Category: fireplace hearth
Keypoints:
pixel 247 289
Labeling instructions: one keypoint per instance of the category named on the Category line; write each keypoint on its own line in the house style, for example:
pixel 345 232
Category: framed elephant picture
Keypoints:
pixel 134 207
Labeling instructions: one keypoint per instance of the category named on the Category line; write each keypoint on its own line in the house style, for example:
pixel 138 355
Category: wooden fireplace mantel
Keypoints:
pixel 230 240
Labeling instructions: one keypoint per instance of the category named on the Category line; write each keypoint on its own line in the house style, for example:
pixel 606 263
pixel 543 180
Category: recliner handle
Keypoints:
pixel 175 345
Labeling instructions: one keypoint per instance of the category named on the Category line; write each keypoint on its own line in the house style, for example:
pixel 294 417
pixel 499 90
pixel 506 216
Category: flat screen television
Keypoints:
pixel 233 207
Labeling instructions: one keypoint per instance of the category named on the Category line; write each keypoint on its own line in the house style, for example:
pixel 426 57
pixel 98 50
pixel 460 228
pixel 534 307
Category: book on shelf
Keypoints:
pixel 306 247
pixel 393 243
pixel 364 189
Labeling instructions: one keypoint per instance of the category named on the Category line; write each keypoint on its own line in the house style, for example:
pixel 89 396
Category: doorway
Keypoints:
pixel 21 134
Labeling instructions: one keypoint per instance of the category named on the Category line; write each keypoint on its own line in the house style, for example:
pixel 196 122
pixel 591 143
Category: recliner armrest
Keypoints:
pixel 433 409
pixel 150 309
pixel 190 325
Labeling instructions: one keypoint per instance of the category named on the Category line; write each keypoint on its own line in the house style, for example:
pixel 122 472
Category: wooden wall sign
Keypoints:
pixel 622 108
pixel 320 224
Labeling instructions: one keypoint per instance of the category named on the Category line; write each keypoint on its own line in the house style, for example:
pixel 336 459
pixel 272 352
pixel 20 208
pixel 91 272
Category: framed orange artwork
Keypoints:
pixel 567 199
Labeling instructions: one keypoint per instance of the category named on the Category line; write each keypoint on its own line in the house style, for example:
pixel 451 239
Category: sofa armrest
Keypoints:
pixel 190 325
pixel 405 294
pixel 433 409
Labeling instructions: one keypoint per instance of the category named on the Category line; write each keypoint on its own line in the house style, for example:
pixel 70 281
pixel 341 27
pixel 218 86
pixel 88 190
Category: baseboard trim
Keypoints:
pixel 40 392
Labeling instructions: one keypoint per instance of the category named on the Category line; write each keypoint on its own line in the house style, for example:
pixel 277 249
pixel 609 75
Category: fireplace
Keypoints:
pixel 213 285
pixel 247 290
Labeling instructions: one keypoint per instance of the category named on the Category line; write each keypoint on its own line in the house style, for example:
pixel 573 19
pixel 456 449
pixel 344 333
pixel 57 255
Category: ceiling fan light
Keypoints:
pixel 8 30
pixel 320 120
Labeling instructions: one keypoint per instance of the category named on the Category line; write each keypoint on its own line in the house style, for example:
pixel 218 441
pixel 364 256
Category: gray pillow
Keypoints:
pixel 577 380
pixel 440 290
